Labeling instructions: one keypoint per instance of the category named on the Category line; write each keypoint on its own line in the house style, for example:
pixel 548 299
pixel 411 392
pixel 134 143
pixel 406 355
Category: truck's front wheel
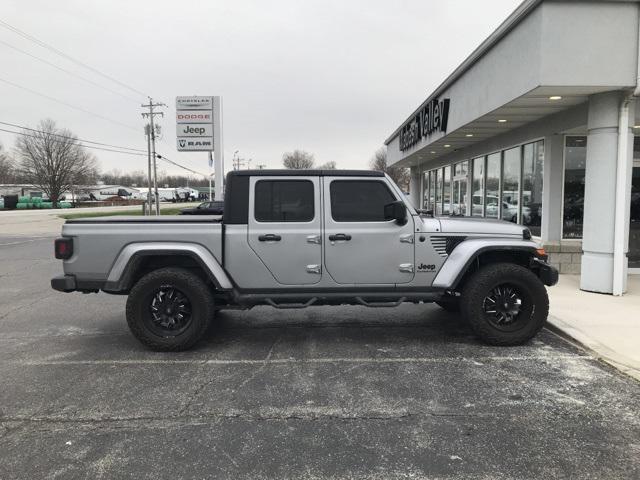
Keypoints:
pixel 505 304
pixel 169 309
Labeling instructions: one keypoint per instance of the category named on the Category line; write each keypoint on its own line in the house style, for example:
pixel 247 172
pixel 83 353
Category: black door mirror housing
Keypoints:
pixel 396 211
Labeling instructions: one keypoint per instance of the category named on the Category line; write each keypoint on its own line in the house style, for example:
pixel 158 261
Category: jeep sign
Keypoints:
pixel 194 130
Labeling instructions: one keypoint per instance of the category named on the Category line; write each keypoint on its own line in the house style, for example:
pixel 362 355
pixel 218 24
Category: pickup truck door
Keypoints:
pixel 285 218
pixel 360 246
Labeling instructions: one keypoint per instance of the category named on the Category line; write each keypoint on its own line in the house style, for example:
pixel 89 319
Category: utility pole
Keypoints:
pixel 152 134
pixel 147 132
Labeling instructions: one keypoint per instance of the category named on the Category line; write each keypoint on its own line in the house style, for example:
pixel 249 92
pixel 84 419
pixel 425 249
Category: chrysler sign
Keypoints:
pixel 431 118
pixel 194 103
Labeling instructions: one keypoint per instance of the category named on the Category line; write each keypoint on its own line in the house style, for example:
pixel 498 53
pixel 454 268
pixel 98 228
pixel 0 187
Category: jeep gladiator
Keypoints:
pixel 299 238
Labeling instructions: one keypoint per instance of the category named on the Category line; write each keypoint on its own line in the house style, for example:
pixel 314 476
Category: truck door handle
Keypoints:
pixel 339 237
pixel 270 237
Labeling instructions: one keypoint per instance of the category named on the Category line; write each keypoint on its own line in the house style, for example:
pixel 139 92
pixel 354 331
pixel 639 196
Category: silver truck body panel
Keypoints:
pixel 375 252
pixel 479 225
pixel 97 246
pixel 200 251
pixel 293 259
pixel 459 259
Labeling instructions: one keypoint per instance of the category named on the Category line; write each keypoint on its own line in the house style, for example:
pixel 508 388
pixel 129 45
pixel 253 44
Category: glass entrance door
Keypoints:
pixel 634 224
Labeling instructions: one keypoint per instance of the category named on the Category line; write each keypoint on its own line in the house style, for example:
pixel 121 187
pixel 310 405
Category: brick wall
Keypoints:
pixel 565 256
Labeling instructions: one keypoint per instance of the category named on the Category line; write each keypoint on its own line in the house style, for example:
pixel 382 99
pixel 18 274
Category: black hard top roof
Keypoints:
pixel 307 173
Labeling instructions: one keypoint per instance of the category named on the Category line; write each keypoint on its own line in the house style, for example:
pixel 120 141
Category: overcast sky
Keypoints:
pixel 334 78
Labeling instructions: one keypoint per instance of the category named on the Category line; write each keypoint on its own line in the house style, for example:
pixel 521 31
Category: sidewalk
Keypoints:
pixel 608 326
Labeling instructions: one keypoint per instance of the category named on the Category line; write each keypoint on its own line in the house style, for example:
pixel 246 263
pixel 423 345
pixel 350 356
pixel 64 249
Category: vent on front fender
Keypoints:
pixel 445 245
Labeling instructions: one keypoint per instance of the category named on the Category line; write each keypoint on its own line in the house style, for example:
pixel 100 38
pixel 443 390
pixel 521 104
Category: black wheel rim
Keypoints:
pixel 505 307
pixel 170 312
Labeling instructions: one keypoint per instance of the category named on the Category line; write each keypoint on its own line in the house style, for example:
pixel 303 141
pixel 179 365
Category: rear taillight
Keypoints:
pixel 63 248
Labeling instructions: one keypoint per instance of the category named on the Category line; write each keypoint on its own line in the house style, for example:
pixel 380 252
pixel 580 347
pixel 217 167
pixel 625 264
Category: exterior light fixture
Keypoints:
pixel 502 120
pixel 555 97
pixel 469 135
pixel 447 146
pixel 636 126
pixel 433 151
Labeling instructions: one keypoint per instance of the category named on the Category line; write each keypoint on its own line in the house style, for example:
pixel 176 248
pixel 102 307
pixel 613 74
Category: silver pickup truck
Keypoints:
pixel 298 238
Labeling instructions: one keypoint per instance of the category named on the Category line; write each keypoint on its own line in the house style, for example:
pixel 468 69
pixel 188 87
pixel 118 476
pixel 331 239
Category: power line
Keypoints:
pixel 72 138
pixel 68 57
pixel 163 140
pixel 76 143
pixel 68 71
pixel 161 157
pixel 68 104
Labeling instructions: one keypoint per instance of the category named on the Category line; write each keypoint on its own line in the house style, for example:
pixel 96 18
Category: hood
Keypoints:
pixel 476 225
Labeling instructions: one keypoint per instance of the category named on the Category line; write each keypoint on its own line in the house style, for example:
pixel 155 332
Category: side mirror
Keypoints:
pixel 396 211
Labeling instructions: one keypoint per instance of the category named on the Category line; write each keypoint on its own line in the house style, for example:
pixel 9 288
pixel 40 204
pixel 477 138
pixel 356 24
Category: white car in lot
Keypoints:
pixel 509 210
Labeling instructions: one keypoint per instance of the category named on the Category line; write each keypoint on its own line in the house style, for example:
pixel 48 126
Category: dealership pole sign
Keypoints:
pixel 199 129
pixel 194 124
pixel 432 117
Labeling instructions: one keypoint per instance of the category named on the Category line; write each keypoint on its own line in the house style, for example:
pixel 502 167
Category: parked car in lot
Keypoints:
pixel 205 208
pixel 298 238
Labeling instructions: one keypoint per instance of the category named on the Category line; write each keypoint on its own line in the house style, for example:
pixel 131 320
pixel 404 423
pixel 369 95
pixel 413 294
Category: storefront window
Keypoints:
pixel 446 207
pixel 511 184
pixel 575 159
pixel 459 201
pixel 477 187
pixel 438 189
pixel 533 160
pixel 505 184
pixel 425 190
pixel 492 204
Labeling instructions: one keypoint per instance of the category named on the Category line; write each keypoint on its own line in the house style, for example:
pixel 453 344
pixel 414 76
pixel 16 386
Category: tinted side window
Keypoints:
pixel 284 201
pixel 359 200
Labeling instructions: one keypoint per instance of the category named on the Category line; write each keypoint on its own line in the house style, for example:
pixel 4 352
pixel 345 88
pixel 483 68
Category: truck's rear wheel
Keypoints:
pixel 169 309
pixel 505 304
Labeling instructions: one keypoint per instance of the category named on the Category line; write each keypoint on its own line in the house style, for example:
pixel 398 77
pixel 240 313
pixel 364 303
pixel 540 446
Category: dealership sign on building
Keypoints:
pixel 430 118
pixel 194 124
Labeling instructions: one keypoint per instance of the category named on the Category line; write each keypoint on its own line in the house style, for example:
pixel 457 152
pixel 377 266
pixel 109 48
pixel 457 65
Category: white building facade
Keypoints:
pixel 537 127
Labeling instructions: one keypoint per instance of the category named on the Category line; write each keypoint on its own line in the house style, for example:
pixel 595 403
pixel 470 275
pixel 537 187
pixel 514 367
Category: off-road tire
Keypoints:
pixel 451 306
pixel 190 285
pixel 481 283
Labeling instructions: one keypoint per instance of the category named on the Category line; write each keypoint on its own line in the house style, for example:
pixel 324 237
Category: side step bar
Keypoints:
pixel 361 301
pixel 304 300
pixel 291 305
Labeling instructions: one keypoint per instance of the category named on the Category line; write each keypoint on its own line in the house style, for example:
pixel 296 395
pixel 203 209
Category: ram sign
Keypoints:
pixel 194 124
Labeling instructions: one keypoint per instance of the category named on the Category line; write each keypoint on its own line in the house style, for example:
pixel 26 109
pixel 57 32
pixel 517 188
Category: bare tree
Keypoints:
pixel 400 175
pixel 7 167
pixel 331 165
pixel 298 160
pixel 51 159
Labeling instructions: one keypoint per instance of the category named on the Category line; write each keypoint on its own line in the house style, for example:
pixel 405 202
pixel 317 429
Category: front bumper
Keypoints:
pixel 547 273
pixel 64 283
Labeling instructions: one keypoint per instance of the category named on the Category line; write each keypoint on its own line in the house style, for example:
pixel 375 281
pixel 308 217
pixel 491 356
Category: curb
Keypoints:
pixel 609 359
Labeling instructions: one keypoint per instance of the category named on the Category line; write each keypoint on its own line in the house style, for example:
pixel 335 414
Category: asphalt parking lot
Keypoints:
pixel 328 392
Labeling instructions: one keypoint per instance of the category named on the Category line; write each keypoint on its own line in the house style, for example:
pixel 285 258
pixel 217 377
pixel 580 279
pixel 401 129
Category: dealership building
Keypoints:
pixel 537 126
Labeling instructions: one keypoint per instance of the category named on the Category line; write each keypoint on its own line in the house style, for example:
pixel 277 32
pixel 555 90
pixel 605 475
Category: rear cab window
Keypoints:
pixel 284 201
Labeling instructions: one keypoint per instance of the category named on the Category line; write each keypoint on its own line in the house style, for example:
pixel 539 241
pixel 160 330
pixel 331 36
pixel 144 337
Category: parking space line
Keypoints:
pixel 287 361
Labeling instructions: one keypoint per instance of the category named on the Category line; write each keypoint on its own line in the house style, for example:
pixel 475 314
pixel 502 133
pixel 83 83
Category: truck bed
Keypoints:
pixel 99 241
